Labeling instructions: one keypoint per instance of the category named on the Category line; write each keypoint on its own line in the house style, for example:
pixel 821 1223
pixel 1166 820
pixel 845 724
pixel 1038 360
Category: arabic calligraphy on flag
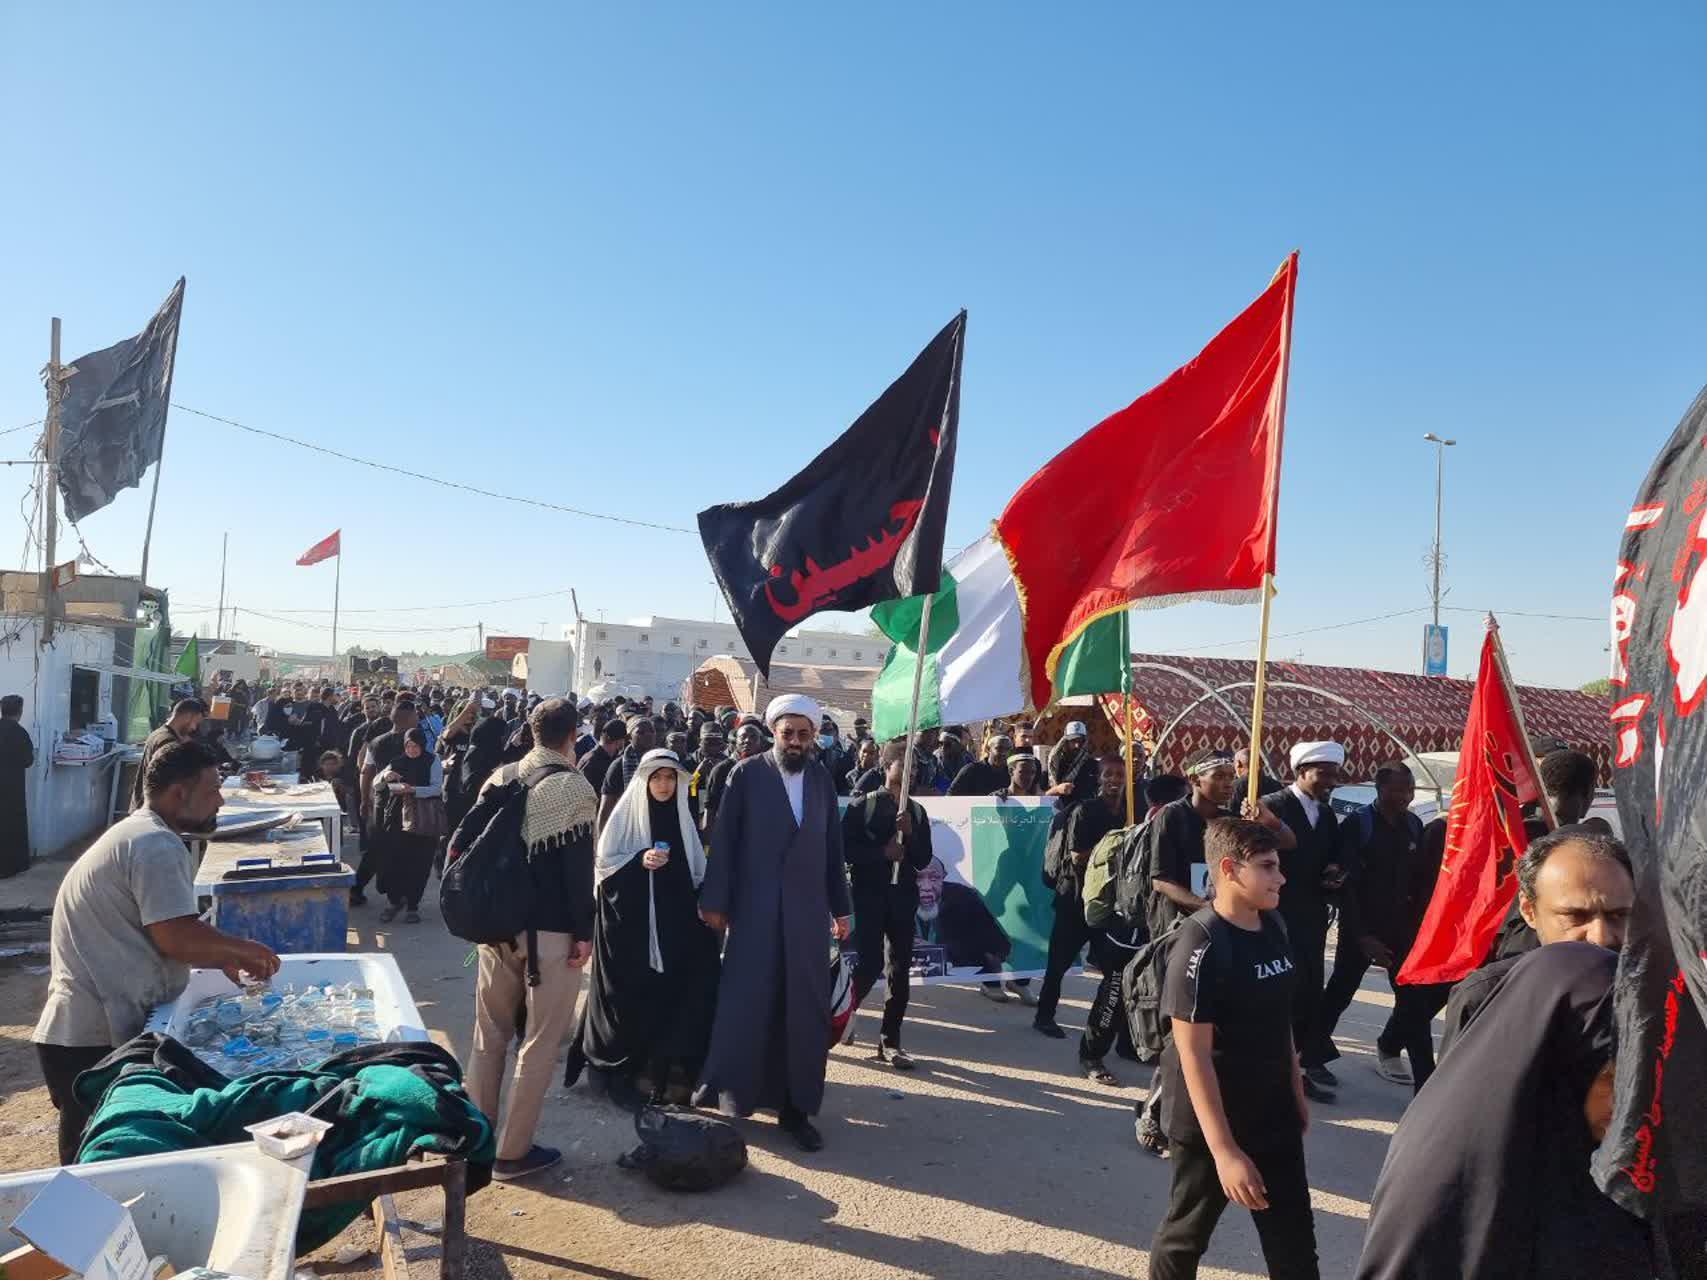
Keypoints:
pixel 862 523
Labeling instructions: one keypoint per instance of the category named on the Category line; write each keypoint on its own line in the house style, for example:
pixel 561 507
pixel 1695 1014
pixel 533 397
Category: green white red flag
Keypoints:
pixel 1171 499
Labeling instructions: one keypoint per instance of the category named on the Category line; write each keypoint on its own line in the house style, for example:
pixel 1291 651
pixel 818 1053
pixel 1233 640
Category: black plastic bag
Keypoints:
pixel 682 1150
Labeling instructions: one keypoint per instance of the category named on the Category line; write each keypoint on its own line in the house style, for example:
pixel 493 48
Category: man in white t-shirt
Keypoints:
pixel 126 933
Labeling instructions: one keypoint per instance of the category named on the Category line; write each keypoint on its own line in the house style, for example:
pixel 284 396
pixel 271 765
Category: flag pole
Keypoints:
pixel 913 718
pixel 337 585
pixel 1131 721
pixel 1260 694
pixel 1522 729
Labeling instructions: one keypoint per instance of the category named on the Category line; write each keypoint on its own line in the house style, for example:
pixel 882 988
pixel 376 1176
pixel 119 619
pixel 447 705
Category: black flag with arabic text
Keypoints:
pixel 112 420
pixel 1654 1158
pixel 864 521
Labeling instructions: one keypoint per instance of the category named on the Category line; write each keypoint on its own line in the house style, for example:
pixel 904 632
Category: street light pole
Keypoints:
pixel 1441 446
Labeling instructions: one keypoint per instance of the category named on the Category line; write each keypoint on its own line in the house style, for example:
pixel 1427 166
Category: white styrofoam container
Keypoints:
pixel 393 1006
pixel 228 1208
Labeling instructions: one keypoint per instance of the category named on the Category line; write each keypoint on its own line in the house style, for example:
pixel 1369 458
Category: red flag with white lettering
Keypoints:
pixel 325 549
pixel 1484 834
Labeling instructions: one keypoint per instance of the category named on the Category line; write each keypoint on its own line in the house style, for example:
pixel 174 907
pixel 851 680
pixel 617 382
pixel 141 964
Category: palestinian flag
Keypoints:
pixel 1171 499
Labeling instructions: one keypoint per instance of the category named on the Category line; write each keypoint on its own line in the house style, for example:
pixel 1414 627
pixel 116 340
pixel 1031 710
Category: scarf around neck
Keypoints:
pixel 560 808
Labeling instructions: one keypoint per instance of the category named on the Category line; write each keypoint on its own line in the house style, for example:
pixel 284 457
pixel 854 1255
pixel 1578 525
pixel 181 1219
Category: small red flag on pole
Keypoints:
pixel 325 549
pixel 1497 776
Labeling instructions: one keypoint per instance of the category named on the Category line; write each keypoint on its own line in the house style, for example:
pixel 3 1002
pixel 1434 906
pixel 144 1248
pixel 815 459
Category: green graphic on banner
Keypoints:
pixel 1007 857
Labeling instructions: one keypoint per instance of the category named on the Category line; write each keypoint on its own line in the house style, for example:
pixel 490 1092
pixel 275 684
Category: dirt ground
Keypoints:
pixel 993 1160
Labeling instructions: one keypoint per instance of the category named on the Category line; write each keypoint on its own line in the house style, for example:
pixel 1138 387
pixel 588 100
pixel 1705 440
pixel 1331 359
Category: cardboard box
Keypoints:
pixel 79 1230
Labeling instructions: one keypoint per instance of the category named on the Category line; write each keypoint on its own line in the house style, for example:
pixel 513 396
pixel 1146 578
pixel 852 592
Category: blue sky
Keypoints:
pixel 644 259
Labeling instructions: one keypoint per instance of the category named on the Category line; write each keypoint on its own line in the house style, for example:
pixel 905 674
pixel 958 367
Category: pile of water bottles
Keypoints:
pixel 261 1028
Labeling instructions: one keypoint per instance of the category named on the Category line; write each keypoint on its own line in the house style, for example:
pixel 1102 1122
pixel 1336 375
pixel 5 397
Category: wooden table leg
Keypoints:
pixel 453 1238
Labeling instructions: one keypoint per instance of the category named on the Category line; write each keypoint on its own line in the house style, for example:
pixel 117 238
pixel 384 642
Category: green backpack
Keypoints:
pixel 1102 878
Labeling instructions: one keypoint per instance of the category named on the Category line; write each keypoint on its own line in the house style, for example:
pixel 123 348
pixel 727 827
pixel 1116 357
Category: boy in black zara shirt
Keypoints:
pixel 1234 1107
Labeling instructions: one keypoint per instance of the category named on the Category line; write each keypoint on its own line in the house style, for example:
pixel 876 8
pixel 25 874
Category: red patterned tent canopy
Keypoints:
pixel 1428 714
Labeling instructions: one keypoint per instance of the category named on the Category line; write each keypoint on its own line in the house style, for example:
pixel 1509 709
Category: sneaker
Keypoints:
pixel 1316 1093
pixel 1050 1029
pixel 995 992
pixel 358 898
pixel 897 1058
pixel 1151 1138
pixel 535 1161
pixel 388 915
pixel 1321 1077
pixel 1022 994
pixel 411 917
pixel 1390 1066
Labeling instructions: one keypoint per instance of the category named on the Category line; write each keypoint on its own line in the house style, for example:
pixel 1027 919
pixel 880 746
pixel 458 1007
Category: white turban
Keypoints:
pixel 793 704
pixel 1305 754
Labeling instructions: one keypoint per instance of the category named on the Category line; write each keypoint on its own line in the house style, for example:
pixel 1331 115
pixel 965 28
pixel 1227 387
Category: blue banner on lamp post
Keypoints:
pixel 1434 649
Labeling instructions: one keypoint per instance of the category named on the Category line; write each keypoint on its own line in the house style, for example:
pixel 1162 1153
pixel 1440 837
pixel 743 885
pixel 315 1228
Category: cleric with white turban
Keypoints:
pixel 1312 873
pixel 775 879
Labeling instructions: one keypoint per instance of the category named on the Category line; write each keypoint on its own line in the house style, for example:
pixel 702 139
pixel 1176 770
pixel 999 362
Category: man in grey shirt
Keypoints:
pixel 125 930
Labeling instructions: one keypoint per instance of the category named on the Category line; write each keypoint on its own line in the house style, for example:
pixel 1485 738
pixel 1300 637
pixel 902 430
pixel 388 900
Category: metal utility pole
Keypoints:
pixel 1441 446
pixel 50 531
pixel 219 618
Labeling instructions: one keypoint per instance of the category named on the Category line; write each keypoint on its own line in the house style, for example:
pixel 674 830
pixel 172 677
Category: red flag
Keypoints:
pixel 1484 833
pixel 1178 491
pixel 325 549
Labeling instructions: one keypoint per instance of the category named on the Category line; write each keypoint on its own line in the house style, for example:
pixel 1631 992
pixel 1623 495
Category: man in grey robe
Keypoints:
pixel 776 881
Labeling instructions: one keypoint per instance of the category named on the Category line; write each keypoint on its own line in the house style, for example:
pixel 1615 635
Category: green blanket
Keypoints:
pixel 385 1103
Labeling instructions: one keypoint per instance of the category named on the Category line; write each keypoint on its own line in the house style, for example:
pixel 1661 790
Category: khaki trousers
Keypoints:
pixel 502 987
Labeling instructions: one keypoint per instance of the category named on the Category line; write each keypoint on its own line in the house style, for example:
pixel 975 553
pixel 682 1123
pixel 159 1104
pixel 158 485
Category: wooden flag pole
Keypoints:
pixel 1260 693
pixel 1522 729
pixel 1131 753
pixel 913 720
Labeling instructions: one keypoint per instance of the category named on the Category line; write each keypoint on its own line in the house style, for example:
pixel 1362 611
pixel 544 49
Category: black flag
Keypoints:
pixel 112 421
pixel 1654 1159
pixel 861 524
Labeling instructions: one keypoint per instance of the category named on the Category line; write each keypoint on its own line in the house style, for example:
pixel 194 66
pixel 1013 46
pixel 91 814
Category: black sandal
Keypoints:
pixel 1094 1070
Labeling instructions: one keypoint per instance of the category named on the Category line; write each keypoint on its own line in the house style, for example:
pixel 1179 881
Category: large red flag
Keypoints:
pixel 1170 499
pixel 325 549
pixel 1484 833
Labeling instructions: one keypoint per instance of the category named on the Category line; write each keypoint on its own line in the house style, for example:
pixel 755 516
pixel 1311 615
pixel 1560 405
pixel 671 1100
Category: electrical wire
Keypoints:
pixel 1308 631
pixel 416 475
pixel 409 608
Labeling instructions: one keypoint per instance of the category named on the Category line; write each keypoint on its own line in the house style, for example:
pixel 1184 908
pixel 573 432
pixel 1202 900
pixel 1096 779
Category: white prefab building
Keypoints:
pixel 656 655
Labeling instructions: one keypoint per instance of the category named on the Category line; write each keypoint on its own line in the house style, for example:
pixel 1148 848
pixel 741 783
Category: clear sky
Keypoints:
pixel 640 259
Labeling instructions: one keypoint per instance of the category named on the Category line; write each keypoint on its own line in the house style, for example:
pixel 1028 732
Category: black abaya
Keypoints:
pixel 1488 1175
pixel 17 754
pixel 637 1019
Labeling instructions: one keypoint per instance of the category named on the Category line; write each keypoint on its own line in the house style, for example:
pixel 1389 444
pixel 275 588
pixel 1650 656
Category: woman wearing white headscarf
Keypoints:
pixel 655 963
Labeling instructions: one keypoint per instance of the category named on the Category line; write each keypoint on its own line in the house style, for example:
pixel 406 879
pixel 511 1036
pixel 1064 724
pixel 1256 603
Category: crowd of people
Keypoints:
pixel 688 867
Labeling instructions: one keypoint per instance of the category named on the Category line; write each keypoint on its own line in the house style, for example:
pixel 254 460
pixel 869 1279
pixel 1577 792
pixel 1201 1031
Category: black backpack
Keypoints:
pixel 1132 889
pixel 1141 981
pixel 1055 854
pixel 486 893
pixel 683 1150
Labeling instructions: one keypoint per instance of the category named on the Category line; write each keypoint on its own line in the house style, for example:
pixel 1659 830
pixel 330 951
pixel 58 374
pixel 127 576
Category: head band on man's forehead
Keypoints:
pixel 1210 763
pixel 793 704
